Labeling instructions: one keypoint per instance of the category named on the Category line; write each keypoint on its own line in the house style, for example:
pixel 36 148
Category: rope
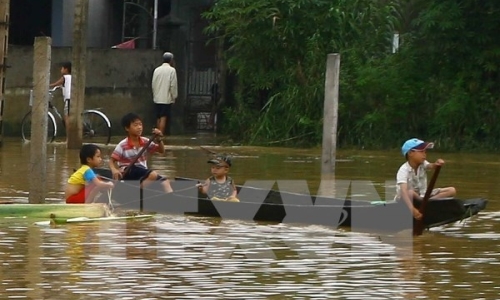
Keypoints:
pixel 110 203
pixel 289 139
pixel 144 189
pixel 467 214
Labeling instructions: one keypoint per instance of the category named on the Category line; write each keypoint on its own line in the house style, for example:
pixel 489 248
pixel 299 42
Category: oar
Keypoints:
pixel 208 150
pixel 213 153
pixel 419 227
pixel 136 158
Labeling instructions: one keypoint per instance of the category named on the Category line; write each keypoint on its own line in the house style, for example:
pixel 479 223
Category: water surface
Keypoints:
pixel 184 257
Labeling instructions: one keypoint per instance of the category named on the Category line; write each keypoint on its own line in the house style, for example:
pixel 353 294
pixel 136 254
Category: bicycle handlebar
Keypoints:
pixel 55 89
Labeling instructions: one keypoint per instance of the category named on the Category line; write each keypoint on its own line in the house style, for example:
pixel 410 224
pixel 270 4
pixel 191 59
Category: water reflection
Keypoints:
pixel 179 257
pixel 173 257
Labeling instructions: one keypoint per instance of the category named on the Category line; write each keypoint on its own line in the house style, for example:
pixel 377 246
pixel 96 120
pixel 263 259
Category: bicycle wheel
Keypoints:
pixel 96 127
pixel 26 127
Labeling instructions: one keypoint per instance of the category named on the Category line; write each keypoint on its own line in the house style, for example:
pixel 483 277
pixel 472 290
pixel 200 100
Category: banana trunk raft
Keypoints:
pixel 63 211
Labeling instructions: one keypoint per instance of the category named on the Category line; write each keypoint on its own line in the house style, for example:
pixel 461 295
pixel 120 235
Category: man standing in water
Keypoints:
pixel 164 86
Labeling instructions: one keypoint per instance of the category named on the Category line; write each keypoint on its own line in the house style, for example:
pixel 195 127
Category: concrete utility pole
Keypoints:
pixel 4 42
pixel 74 132
pixel 39 120
pixel 330 113
pixel 155 23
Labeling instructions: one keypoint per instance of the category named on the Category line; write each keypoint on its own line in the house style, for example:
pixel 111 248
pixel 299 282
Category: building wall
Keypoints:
pixel 102 23
pixel 62 22
pixel 118 81
pixel 98 15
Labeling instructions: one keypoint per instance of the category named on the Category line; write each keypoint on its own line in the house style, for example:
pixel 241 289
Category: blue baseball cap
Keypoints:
pixel 415 144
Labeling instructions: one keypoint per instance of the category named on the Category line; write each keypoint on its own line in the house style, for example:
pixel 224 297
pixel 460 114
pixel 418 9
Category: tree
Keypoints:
pixel 278 51
pixel 442 84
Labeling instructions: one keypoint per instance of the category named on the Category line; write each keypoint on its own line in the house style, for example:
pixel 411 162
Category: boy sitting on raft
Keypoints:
pixel 412 177
pixel 83 185
pixel 127 149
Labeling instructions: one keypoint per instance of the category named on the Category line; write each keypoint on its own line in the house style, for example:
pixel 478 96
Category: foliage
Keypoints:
pixel 278 50
pixel 442 84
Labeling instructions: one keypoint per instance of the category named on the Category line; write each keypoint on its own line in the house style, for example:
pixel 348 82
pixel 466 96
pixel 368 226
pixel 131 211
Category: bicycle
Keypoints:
pixel 96 125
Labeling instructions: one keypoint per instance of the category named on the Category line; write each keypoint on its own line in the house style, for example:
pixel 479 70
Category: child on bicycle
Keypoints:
pixel 65 83
pixel 84 184
pixel 128 149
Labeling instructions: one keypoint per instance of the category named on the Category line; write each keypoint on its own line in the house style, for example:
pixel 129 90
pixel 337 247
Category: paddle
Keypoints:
pixel 136 158
pixel 419 226
pixel 208 150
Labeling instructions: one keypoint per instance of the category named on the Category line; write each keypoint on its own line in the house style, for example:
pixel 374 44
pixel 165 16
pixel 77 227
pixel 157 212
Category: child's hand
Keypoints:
pixel 110 184
pixel 117 175
pixel 439 162
pixel 416 214
pixel 232 199
pixel 157 132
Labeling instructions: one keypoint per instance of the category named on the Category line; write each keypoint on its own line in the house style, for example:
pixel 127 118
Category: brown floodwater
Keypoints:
pixel 185 257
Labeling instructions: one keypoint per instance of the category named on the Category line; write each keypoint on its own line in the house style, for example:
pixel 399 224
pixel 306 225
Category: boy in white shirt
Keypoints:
pixel 412 178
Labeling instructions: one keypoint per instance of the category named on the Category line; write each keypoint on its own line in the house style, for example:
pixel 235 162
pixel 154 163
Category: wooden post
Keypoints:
pixel 4 42
pixel 330 113
pixel 327 186
pixel 79 57
pixel 39 120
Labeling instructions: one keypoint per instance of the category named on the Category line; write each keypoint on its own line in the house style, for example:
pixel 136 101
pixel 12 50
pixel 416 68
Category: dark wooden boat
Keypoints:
pixel 275 206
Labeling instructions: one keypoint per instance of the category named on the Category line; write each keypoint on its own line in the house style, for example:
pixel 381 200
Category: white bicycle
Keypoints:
pixel 96 125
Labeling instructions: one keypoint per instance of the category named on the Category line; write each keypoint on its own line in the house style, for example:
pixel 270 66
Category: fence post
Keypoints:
pixel 39 120
pixel 330 113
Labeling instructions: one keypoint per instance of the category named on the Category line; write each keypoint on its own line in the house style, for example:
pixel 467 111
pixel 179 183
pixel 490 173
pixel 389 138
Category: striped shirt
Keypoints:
pixel 125 152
